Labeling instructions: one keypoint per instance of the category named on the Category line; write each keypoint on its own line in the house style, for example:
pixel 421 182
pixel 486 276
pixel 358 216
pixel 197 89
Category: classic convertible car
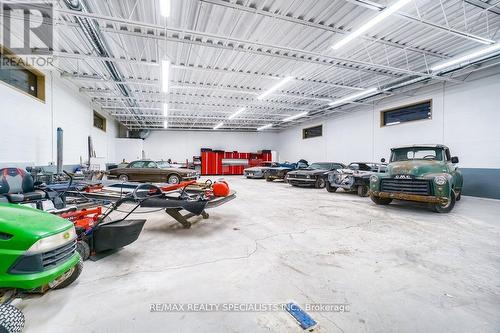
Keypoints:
pixel 422 173
pixel 354 178
pixel 152 172
pixel 312 176
pixel 257 172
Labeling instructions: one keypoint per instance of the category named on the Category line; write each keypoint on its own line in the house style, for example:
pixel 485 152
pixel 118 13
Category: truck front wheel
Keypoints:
pixel 363 190
pixel 380 201
pixel 446 208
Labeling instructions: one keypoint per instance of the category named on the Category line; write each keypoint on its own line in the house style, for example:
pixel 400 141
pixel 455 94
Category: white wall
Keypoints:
pixel 465 117
pixel 29 126
pixel 182 145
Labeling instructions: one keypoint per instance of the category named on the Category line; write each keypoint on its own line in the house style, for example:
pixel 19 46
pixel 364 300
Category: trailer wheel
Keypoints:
pixel 363 190
pixel 11 319
pixel 74 273
pixel 83 248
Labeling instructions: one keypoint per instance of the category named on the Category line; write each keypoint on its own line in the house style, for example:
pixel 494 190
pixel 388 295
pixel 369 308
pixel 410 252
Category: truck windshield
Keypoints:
pixel 416 153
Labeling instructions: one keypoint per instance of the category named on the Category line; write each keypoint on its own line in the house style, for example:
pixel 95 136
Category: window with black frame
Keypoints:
pixel 19 77
pixel 312 132
pixel 407 113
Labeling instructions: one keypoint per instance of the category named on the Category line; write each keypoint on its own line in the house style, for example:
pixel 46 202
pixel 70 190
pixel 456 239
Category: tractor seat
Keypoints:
pixel 17 186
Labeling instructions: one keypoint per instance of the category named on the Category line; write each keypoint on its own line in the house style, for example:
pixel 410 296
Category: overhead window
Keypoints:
pixel 403 114
pixel 20 76
pixel 99 121
pixel 312 132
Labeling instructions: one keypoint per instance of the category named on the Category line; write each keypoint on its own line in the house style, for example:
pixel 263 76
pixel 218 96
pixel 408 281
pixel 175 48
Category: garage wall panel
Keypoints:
pixel 29 126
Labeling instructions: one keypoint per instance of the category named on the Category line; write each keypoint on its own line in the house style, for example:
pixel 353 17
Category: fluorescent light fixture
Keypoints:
pixel 219 125
pixel 165 109
pixel 302 114
pixel 275 87
pixel 165 8
pixel 165 124
pixel 165 74
pixel 460 59
pixel 236 113
pixel 352 97
pixel 264 127
pixel 370 24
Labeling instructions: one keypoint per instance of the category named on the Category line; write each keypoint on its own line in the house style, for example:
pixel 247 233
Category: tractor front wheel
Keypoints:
pixel 11 319
pixel 72 275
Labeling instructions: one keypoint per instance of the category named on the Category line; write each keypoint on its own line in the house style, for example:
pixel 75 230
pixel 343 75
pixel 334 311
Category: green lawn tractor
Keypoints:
pixel 37 253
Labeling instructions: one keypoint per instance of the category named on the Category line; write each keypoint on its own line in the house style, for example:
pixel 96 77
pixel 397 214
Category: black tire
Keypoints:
pixel 268 178
pixel 174 179
pixel 77 270
pixel 459 196
pixel 363 191
pixel 83 248
pixel 320 183
pixel 380 201
pixel 448 207
pixel 123 178
pixel 11 319
pixel 330 188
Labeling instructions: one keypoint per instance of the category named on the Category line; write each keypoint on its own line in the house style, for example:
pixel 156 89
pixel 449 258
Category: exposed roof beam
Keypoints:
pixel 246 7
pixel 492 8
pixel 463 34
pixel 246 46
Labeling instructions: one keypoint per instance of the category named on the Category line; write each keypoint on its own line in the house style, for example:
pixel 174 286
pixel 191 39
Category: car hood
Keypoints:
pixel 257 168
pixel 416 167
pixel 28 225
pixel 308 172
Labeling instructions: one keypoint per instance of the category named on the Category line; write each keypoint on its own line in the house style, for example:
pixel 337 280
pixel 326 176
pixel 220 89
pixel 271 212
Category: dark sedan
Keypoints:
pixel 152 172
pixel 314 175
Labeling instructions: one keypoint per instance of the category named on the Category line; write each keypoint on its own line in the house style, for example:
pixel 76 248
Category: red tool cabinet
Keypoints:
pixel 218 162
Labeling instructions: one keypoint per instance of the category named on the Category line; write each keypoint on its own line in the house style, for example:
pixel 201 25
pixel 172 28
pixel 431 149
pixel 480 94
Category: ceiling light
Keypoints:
pixel 302 114
pixel 219 125
pixel 264 127
pixel 461 59
pixel 236 113
pixel 370 24
pixel 275 87
pixel 165 73
pixel 165 124
pixel 165 8
pixel 353 97
pixel 165 109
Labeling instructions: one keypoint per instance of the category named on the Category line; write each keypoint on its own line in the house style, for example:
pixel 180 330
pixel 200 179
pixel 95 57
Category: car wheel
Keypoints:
pixel 448 206
pixel 320 183
pixel 174 179
pixel 363 190
pixel 11 319
pixel 268 178
pixel 73 274
pixel 459 196
pixel 380 201
pixel 83 248
pixel 123 178
pixel 330 188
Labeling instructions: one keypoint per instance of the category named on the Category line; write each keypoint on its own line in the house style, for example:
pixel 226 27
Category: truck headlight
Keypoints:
pixel 373 178
pixel 440 180
pixel 53 242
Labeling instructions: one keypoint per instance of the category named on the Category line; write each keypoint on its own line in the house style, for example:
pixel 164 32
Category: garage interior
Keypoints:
pixel 250 166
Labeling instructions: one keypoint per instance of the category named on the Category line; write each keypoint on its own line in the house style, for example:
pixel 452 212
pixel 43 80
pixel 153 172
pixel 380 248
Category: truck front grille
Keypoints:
pixel 53 258
pixel 410 186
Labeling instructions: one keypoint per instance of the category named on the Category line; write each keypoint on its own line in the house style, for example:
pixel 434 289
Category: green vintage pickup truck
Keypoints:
pixel 422 173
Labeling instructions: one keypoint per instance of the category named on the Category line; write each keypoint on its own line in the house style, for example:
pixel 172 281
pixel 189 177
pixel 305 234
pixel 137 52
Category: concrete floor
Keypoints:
pixel 400 268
